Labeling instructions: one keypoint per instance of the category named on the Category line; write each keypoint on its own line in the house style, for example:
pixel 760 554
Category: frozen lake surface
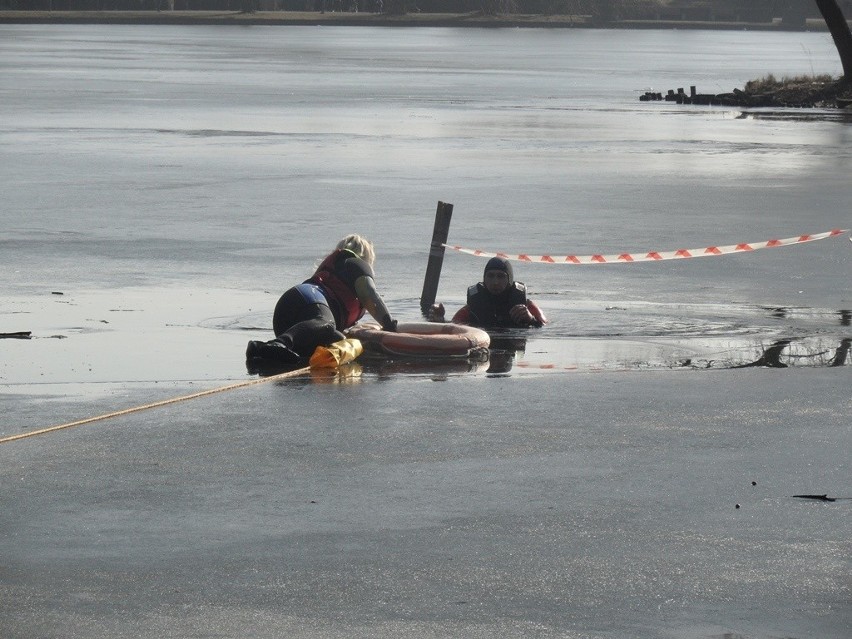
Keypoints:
pixel 212 165
pixel 161 187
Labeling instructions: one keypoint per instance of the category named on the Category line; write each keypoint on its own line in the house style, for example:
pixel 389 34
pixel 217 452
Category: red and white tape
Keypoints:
pixel 652 256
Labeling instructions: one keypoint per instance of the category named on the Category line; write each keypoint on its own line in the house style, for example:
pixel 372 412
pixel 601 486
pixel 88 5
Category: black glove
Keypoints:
pixel 389 325
pixel 436 313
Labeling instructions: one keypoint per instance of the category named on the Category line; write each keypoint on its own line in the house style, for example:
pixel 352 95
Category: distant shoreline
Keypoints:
pixel 314 18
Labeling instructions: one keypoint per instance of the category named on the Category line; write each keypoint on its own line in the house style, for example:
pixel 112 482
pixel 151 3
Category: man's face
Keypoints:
pixel 496 281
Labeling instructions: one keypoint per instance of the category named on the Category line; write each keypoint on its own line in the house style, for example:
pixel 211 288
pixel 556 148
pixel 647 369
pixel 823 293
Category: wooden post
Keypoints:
pixel 436 256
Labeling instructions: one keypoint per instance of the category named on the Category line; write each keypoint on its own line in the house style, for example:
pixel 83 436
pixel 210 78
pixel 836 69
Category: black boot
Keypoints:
pixel 269 358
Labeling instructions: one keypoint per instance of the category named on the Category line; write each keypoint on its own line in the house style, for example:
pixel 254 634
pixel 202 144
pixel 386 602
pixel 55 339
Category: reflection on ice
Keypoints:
pixel 626 355
pixel 437 369
pixel 799 115
pixel 649 337
pixel 697 353
pixel 773 356
pixel 659 337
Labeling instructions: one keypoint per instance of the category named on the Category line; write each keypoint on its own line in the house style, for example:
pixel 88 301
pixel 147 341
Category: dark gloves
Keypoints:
pixel 389 324
pixel 435 313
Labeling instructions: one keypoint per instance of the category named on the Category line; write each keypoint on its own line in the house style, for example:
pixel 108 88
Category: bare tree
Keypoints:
pixel 839 28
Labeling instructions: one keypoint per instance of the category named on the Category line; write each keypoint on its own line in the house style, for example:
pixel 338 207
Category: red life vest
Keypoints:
pixel 341 296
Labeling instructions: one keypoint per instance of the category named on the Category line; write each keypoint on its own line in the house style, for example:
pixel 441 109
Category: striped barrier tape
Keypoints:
pixel 652 256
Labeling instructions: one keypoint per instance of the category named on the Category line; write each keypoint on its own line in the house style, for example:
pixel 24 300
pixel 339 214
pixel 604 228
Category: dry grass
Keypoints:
pixel 797 91
pixel 770 83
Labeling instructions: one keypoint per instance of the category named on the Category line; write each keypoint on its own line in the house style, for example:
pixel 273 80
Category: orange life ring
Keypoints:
pixel 422 339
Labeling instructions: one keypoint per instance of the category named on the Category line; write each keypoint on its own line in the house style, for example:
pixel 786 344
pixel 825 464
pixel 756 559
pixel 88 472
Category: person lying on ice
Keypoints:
pixel 496 302
pixel 315 312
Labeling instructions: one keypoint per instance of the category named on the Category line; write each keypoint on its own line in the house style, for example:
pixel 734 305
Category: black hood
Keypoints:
pixel 500 264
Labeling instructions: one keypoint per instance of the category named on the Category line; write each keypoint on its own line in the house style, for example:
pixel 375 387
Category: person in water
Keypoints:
pixel 315 312
pixel 496 302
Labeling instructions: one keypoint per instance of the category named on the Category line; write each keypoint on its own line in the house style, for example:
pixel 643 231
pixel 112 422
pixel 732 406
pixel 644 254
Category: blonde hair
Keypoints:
pixel 362 247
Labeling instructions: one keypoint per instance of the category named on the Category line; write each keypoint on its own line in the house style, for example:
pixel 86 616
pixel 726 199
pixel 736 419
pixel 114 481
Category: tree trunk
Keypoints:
pixel 840 33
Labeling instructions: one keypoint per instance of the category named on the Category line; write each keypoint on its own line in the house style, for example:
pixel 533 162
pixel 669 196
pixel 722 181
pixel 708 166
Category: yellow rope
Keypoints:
pixel 135 409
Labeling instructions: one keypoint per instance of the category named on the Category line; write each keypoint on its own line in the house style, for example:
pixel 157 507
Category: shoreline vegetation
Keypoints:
pixel 800 92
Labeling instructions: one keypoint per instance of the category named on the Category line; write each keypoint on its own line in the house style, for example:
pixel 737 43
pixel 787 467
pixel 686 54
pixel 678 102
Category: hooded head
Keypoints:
pixel 498 275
